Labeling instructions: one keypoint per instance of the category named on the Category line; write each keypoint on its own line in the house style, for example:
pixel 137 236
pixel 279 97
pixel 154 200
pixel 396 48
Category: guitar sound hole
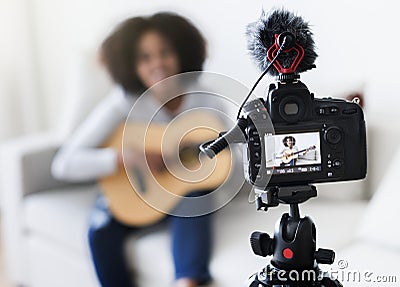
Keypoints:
pixel 189 157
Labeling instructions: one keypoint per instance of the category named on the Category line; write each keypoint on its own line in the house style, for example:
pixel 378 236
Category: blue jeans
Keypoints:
pixel 191 247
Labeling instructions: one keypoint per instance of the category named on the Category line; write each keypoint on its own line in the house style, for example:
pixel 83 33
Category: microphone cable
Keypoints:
pixel 281 49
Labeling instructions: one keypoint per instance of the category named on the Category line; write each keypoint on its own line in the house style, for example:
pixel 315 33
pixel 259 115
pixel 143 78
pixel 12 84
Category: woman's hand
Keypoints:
pixel 155 162
pixel 131 158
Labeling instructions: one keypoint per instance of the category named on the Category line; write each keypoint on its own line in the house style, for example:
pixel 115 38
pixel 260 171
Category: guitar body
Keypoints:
pixel 288 157
pixel 140 197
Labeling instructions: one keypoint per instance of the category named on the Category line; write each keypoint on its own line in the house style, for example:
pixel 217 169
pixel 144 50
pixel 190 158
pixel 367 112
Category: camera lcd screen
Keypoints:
pixel 293 153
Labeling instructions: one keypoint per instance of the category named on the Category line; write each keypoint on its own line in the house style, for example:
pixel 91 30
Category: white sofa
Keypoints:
pixel 44 225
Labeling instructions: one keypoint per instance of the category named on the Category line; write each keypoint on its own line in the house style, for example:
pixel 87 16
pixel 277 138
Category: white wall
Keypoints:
pixel 61 34
pixel 18 82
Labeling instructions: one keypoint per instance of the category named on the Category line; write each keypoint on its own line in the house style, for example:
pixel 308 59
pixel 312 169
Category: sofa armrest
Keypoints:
pixel 25 164
pixel 24 169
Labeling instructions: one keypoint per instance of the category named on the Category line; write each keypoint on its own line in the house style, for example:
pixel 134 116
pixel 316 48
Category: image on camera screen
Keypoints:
pixel 293 153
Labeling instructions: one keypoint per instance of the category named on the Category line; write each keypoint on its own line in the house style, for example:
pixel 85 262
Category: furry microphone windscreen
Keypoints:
pixel 261 36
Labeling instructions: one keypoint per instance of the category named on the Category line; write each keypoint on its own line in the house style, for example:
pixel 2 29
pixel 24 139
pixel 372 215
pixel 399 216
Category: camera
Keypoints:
pixel 292 140
pixel 313 140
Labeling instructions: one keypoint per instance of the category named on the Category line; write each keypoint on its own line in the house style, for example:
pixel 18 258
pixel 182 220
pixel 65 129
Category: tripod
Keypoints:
pixel 295 258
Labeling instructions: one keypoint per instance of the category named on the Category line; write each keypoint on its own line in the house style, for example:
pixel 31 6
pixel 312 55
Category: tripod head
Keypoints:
pixel 293 247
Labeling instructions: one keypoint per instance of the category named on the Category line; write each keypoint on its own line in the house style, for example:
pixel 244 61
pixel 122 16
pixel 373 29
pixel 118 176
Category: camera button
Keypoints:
pixel 350 111
pixel 334 110
pixel 330 174
pixel 337 163
pixel 254 132
pixel 256 143
pixel 253 117
pixel 256 177
pixel 254 139
pixel 321 111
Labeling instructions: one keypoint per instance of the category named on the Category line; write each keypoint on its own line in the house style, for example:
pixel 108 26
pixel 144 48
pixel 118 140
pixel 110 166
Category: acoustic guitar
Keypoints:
pixel 140 197
pixel 288 155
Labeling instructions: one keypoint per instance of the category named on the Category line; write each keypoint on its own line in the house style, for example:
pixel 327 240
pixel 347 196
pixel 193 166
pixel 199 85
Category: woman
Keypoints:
pixel 137 54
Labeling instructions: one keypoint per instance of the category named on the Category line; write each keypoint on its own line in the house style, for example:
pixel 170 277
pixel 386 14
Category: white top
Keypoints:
pixel 81 158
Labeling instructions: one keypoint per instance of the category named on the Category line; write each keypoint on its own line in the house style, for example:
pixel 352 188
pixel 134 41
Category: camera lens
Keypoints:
pixel 333 135
pixel 291 109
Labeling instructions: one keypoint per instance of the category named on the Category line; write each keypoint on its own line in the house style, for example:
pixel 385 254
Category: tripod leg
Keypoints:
pixel 254 282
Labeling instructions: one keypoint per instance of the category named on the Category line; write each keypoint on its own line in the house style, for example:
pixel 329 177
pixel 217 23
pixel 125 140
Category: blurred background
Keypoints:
pixel 50 79
pixel 44 45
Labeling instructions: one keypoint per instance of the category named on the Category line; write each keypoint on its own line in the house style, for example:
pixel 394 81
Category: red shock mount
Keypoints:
pixel 274 49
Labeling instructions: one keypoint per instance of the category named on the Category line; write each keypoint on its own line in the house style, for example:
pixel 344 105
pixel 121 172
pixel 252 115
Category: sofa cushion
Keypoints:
pixel 61 214
pixel 233 260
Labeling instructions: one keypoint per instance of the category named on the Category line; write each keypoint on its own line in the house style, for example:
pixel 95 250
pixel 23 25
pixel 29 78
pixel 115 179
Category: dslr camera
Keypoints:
pixel 312 140
pixel 292 138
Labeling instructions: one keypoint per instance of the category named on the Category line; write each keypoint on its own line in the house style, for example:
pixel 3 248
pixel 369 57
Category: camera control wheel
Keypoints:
pixel 333 135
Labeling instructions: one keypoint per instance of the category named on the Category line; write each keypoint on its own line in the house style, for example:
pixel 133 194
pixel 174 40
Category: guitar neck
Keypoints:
pixel 300 151
pixel 303 150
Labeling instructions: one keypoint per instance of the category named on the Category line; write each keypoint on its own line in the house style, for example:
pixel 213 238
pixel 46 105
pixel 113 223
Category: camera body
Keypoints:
pixel 310 141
